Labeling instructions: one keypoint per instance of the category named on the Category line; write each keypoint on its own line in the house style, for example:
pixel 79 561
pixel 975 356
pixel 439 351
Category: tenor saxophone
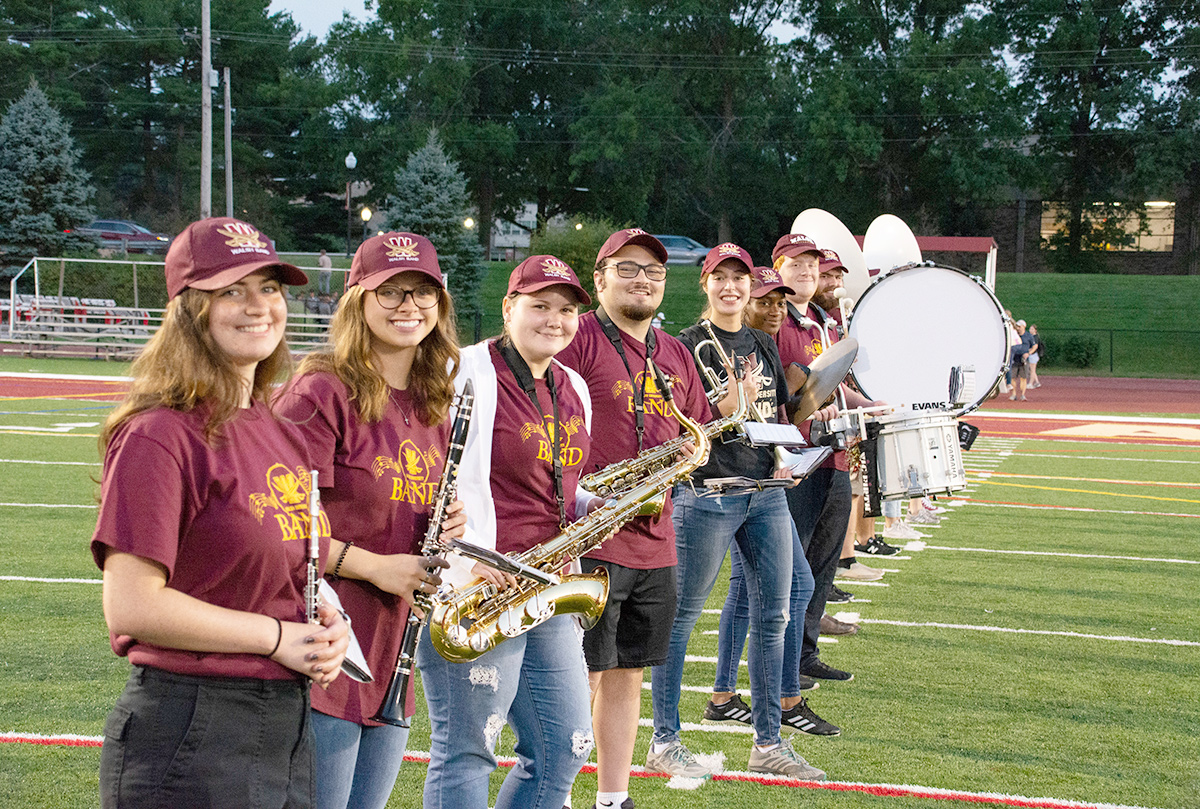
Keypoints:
pixel 466 623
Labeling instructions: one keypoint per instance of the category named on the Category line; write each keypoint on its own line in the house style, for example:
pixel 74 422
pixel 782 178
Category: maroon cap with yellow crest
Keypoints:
pixel 213 253
pixel 380 257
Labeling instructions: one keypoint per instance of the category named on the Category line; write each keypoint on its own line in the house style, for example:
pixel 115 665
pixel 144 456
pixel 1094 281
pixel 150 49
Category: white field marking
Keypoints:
pixel 1071 555
pixel 900 790
pixel 40 580
pixel 50 463
pixel 741 730
pixel 45 505
pixel 1090 510
pixel 61 427
pixel 73 377
pixel 848 617
pixel 1097 480
pixel 1055 632
pixel 1103 458
pixel 1193 421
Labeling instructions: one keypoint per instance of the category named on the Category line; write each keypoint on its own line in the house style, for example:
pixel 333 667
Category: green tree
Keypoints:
pixel 431 199
pixel 44 194
pixel 1091 70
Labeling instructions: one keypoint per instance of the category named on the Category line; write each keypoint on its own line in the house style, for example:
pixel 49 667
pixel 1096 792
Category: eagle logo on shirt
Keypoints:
pixel 571 456
pixel 287 496
pixel 413 468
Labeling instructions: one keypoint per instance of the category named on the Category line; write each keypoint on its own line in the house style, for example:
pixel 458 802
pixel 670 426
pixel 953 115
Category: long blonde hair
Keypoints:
pixel 182 367
pixel 349 357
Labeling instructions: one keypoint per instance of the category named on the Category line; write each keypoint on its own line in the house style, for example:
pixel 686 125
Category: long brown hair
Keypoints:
pixel 182 367
pixel 349 357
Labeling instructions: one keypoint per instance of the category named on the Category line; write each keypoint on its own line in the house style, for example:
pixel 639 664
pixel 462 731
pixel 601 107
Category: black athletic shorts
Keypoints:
pixel 635 629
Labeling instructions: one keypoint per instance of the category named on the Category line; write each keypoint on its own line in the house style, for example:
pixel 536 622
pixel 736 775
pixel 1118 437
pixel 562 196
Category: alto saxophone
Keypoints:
pixel 464 624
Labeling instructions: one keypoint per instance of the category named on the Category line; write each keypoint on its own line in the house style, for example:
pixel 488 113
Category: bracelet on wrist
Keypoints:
pixel 278 638
pixel 341 558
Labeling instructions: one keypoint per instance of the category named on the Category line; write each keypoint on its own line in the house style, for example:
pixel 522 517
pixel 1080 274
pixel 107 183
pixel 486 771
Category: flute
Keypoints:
pixel 311 597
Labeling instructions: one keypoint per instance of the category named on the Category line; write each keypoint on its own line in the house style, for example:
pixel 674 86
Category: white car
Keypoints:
pixel 682 250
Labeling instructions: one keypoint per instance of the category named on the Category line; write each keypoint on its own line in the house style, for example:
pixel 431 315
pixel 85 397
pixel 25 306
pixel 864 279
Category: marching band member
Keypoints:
pixel 374 408
pixel 821 502
pixel 527 445
pixel 766 311
pixel 758 521
pixel 203 535
pixel 610 353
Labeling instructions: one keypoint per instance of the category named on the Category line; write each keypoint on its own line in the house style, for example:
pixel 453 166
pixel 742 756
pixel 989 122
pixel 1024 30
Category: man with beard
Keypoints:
pixel 820 504
pixel 610 351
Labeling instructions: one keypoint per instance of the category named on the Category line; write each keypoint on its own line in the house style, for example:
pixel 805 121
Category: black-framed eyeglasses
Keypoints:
pixel 630 269
pixel 425 296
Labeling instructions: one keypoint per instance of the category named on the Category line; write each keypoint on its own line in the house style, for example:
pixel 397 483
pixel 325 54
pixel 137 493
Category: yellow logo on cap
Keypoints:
pixel 402 247
pixel 241 236
pixel 769 276
pixel 829 255
pixel 557 269
pixel 729 249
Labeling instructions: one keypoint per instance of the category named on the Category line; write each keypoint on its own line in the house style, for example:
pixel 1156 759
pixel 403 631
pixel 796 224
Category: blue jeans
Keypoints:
pixel 538 683
pixel 891 509
pixel 705 528
pixel 358 763
pixel 735 623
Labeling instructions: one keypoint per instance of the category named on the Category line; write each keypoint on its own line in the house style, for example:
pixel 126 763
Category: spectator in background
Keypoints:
pixel 326 265
pixel 1020 362
pixel 1034 355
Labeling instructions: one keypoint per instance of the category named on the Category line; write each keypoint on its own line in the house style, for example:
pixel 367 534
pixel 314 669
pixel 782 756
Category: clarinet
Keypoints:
pixel 391 712
pixel 311 596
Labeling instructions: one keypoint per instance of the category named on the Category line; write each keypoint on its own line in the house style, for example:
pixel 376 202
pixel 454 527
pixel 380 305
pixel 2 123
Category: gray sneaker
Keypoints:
pixel 783 760
pixel 675 759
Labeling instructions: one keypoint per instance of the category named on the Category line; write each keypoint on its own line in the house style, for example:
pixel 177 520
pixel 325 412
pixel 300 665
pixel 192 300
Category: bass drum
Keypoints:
pixel 929 338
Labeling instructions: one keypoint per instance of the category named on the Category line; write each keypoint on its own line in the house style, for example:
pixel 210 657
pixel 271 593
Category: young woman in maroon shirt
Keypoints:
pixel 202 535
pixel 526 446
pixel 374 407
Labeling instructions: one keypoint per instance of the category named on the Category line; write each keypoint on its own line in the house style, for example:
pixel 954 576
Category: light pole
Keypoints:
pixel 366 218
pixel 351 162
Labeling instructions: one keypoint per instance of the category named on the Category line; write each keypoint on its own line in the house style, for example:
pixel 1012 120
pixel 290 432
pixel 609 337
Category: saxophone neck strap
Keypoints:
pixel 520 370
pixel 639 392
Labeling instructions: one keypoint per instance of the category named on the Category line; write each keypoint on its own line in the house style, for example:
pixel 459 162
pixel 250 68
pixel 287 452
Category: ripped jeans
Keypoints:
pixel 538 684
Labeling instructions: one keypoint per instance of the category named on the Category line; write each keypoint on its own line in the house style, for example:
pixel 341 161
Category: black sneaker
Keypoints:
pixel 877 547
pixel 625 804
pixel 808 683
pixel 733 712
pixel 838 596
pixel 822 671
pixel 802 719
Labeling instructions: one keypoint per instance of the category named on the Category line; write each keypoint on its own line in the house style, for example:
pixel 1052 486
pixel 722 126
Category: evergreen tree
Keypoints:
pixel 44 195
pixel 431 200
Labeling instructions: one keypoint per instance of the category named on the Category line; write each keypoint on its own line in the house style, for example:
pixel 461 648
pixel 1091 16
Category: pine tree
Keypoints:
pixel 44 195
pixel 431 200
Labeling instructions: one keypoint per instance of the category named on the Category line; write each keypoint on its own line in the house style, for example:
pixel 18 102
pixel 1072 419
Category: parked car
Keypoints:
pixel 130 237
pixel 682 250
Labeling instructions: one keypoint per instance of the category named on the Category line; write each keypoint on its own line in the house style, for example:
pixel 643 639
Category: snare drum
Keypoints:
pixel 918 327
pixel 917 455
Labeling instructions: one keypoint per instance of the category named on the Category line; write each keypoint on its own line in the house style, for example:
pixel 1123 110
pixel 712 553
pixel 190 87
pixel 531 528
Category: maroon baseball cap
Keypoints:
pixel 539 272
pixel 721 252
pixel 632 236
pixel 792 245
pixel 382 256
pixel 216 252
pixel 766 279
pixel 830 261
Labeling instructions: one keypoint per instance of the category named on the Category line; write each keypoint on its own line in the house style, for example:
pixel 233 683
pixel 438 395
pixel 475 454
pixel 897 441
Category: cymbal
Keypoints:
pixel 824 375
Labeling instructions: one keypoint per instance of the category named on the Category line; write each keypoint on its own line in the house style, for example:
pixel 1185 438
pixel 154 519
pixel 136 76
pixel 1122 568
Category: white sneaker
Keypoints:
pixel 859 572
pixel 785 761
pixel 909 526
pixel 901 530
pixel 924 517
pixel 929 506
pixel 675 759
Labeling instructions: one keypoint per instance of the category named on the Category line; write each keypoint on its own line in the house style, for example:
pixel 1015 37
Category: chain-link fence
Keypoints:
pixel 1122 352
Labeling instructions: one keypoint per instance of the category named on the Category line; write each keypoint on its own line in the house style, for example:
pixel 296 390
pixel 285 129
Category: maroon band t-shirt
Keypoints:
pixel 522 451
pixel 640 543
pixel 797 344
pixel 378 483
pixel 230 524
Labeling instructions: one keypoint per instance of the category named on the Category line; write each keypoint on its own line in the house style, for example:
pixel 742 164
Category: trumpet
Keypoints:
pixel 719 389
